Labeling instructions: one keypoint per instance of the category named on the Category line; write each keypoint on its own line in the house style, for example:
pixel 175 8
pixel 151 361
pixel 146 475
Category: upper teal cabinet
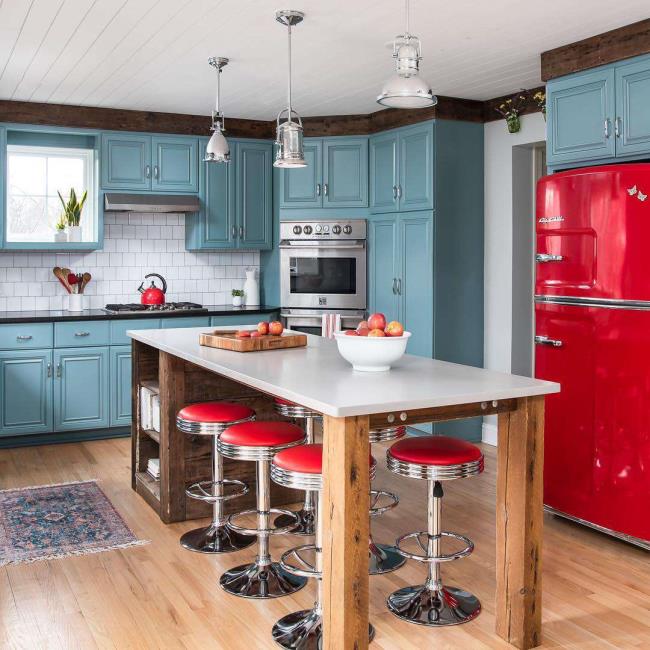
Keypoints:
pixel 600 114
pixel 581 117
pixel 336 175
pixel 236 200
pixel 143 162
pixel 401 169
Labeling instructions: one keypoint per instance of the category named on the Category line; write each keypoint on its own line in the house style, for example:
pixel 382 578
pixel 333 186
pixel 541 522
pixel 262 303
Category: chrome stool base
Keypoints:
pixel 434 607
pixel 215 539
pixel 261 581
pixel 383 558
pixel 305 526
pixel 303 630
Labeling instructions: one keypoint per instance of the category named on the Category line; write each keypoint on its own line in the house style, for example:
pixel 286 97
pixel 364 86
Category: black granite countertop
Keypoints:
pixel 48 316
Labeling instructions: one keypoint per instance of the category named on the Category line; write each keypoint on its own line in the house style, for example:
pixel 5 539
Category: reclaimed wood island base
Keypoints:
pixel 416 390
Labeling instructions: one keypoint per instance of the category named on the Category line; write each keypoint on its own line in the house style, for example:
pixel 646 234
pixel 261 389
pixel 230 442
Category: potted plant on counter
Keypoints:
pixel 237 296
pixel 60 235
pixel 72 209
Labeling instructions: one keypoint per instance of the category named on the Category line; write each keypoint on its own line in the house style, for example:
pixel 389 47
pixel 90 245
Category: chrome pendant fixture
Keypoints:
pixel 290 152
pixel 218 149
pixel 406 89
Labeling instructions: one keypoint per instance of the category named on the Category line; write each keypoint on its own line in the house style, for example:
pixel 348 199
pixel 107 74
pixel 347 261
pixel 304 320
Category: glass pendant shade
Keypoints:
pixel 218 149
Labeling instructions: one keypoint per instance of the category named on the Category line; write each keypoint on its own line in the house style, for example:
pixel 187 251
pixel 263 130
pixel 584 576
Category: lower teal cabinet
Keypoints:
pixel 26 392
pixel 120 386
pixel 383 265
pixel 81 395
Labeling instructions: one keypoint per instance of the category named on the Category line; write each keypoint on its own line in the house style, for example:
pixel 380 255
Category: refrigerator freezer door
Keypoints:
pixel 597 433
pixel 593 233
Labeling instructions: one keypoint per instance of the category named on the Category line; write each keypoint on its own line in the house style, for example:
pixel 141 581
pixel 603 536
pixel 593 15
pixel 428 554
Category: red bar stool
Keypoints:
pixel 307 513
pixel 210 419
pixel 259 442
pixel 434 459
pixel 302 468
pixel 383 558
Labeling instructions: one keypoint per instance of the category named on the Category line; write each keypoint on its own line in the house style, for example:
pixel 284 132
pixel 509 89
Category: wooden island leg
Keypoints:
pixel 345 533
pixel 519 523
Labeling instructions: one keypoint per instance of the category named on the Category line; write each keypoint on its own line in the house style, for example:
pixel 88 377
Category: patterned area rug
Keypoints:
pixel 55 521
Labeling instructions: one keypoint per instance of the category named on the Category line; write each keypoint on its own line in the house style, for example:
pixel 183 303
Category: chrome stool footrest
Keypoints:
pixel 202 490
pixel 376 498
pixel 420 535
pixel 263 531
pixel 309 570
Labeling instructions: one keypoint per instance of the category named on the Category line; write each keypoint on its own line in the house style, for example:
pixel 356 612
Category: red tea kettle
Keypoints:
pixel 153 295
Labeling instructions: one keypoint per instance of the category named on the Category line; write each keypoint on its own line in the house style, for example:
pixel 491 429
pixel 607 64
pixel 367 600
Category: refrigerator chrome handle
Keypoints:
pixel 545 340
pixel 546 257
pixel 607 132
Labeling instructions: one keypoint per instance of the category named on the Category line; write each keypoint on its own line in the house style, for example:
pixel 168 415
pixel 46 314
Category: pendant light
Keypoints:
pixel 290 151
pixel 218 149
pixel 406 89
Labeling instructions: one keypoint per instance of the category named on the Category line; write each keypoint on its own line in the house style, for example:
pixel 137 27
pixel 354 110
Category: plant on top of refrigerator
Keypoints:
pixel 511 109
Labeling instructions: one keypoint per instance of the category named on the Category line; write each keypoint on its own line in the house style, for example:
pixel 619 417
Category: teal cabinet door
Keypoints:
pixel 383 172
pixel 120 374
pixel 26 392
pixel 345 173
pixel 125 162
pixel 175 164
pixel 580 114
pixel 302 187
pixel 3 167
pixel 633 108
pixel 415 187
pixel 383 265
pixel 81 395
pixel 416 281
pixel 254 195
pixel 214 225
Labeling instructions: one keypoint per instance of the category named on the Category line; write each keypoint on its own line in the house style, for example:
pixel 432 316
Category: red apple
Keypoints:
pixel 351 333
pixel 377 322
pixel 255 334
pixel 275 328
pixel 263 327
pixel 363 331
pixel 243 334
pixel 394 328
pixel 363 325
pixel 376 332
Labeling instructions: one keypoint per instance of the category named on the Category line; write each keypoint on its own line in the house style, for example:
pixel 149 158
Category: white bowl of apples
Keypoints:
pixel 374 345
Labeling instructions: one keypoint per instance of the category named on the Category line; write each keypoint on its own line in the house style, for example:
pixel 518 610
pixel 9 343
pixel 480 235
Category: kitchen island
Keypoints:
pixel 416 390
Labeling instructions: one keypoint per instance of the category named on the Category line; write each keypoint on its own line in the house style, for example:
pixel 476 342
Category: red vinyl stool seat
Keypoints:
pixel 284 402
pixel 435 450
pixel 262 434
pixel 305 459
pixel 218 412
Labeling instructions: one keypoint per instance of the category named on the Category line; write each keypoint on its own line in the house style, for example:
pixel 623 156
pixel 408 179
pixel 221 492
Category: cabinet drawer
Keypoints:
pixel 119 328
pixel 78 333
pixel 192 321
pixel 17 336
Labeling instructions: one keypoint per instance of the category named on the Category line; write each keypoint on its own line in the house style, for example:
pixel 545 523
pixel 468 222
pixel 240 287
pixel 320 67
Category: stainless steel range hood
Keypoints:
pixel 150 203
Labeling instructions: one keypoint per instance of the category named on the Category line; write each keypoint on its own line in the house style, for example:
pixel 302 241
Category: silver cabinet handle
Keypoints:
pixel 545 257
pixel 234 232
pixel 241 232
pixel 317 189
pixel 618 130
pixel 399 286
pixel 147 171
pixel 399 191
pixel 545 340
pixel 24 337
pixel 394 286
pixel 82 333
pixel 607 127
pixel 394 191
pixel 49 369
pixel 325 189
pixel 156 171
pixel 59 370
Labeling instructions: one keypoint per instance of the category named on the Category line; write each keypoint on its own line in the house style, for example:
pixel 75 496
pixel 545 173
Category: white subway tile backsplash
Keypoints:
pixel 134 245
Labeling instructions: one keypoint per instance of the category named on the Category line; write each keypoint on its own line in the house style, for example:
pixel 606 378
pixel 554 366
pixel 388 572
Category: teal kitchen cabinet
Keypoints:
pixel 189 321
pixel 401 169
pixel 81 388
pixel 26 392
pixel 383 265
pixel 3 174
pixel 242 319
pixel 120 374
pixel 632 122
pixel 143 162
pixel 336 175
pixel 236 200
pixel 580 113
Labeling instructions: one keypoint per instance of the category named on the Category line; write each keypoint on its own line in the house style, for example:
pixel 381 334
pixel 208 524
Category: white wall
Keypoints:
pixel 498 241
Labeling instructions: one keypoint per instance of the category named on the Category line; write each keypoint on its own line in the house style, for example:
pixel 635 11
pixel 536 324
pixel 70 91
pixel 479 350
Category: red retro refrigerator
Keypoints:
pixel 592 307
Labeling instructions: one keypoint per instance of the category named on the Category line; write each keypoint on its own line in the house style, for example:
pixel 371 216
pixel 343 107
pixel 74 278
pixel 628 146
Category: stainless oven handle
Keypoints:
pixel 323 244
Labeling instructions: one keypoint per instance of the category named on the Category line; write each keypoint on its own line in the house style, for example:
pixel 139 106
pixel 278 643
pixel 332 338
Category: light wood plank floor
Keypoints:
pixel 596 589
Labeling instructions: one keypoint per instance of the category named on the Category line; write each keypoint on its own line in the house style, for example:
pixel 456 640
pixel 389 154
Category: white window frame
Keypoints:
pixel 89 219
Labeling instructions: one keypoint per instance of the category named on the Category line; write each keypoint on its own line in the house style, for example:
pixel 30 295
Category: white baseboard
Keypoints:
pixel 489 434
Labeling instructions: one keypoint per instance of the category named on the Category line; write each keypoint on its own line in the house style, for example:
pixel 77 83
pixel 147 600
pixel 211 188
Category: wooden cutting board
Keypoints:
pixel 228 340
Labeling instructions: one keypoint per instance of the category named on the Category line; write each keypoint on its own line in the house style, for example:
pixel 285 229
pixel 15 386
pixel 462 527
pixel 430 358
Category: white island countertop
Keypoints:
pixel 317 377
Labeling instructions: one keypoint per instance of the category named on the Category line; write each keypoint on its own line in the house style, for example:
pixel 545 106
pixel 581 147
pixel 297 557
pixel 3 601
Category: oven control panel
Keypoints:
pixel 324 229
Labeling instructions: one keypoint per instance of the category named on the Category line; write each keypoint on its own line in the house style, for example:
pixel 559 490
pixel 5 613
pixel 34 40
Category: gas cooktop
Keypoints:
pixel 137 308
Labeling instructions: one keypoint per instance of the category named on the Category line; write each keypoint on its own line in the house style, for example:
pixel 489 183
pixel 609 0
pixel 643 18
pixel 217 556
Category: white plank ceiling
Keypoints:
pixel 152 54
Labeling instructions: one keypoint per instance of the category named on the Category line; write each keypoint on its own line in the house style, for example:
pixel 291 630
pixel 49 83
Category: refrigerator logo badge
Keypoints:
pixel 551 219
pixel 633 191
pixel 322 301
